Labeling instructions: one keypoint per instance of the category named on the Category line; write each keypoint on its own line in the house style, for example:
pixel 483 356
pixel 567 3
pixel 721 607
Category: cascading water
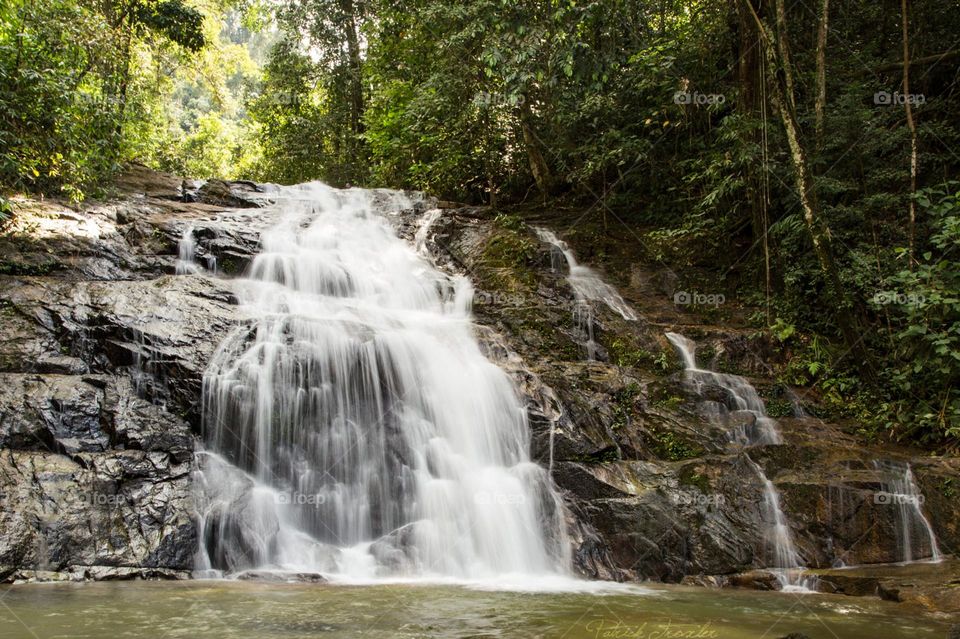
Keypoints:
pixel 916 540
pixel 782 555
pixel 740 395
pixel 186 253
pixel 587 287
pixel 355 428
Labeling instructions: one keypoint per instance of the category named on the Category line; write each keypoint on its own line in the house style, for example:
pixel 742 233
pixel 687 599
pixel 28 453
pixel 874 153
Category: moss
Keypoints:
pixel 672 447
pixel 672 403
pixel 624 406
pixel 705 354
pixel 548 338
pixel 690 477
pixel 606 455
pixel 510 222
pixel 506 262
pixel 20 268
pixel 228 266
pixel 623 352
pixel 947 488
pixel 726 365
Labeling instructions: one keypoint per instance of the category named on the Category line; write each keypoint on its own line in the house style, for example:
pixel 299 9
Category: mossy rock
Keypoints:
pixel 671 446
pixel 12 267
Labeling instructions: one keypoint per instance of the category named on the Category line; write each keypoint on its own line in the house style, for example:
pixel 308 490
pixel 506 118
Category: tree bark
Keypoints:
pixel 538 164
pixel 821 101
pixel 783 47
pixel 777 51
pixel 354 66
pixel 912 125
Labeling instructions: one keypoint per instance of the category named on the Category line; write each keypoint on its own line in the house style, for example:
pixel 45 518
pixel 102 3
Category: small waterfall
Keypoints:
pixel 423 231
pixel 782 555
pixel 355 428
pixel 187 253
pixel 587 287
pixel 741 397
pixel 916 540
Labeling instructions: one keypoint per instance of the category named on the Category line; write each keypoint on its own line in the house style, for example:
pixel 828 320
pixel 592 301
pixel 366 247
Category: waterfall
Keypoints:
pixel 187 253
pixel 914 531
pixel 423 231
pixel 354 427
pixel 587 287
pixel 782 554
pixel 741 396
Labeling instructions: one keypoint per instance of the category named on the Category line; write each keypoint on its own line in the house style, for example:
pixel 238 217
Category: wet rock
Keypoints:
pixel 51 412
pixel 754 580
pixel 233 194
pixel 128 509
pixel 94 573
pixel 646 463
pixel 101 358
pixel 279 576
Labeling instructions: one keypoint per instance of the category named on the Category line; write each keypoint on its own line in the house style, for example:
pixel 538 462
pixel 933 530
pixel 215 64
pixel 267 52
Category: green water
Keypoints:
pixel 268 611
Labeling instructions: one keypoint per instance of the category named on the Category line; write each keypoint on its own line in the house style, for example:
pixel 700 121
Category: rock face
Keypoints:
pixel 103 349
pixel 653 484
pixel 101 358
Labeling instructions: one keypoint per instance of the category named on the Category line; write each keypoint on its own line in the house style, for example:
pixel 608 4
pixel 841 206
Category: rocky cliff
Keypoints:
pixel 103 349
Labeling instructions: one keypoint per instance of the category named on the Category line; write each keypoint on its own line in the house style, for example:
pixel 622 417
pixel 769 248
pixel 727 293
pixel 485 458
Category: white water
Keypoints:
pixel 587 286
pixel 740 396
pixel 781 552
pixel 355 428
pixel 423 231
pixel 187 253
pixel 916 540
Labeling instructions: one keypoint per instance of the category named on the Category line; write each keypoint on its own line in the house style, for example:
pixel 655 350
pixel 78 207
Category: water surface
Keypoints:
pixel 215 609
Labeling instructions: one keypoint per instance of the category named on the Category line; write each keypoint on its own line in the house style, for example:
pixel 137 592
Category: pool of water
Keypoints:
pixel 213 609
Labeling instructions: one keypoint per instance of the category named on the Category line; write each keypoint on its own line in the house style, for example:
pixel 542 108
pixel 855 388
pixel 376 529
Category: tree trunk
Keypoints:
pixel 782 83
pixel 783 47
pixel 911 125
pixel 538 164
pixel 822 31
pixel 356 85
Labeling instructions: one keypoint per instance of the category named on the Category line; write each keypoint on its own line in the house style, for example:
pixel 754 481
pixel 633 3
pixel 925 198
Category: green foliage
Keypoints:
pixel 924 311
pixel 593 105
pixel 624 406
pixel 668 445
pixel 6 211
pixel 68 86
